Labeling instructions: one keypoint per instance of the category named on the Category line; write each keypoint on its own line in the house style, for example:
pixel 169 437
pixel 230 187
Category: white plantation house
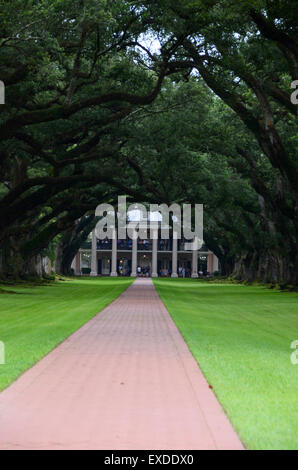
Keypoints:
pixel 149 257
pixel 146 257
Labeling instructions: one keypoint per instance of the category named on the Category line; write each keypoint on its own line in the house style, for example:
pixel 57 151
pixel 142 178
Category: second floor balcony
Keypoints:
pixel 143 245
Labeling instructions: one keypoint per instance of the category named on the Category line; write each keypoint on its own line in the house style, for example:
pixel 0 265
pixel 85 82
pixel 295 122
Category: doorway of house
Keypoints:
pixel 105 266
pixel 202 263
pixel 144 262
pixel 99 266
pixel 123 266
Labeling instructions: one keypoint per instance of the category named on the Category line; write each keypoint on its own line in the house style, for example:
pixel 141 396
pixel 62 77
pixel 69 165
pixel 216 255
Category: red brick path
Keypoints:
pixel 125 380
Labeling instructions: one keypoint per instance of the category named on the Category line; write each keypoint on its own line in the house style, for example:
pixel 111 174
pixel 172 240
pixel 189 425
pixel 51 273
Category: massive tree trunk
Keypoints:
pixel 14 265
pixel 246 267
pixel 269 266
pixel 71 242
pixel 226 264
pixel 64 256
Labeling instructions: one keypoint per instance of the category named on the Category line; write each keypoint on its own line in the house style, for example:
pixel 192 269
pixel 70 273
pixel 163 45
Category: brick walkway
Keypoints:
pixel 125 380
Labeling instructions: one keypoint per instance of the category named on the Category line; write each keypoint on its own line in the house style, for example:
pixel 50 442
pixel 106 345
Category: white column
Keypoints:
pixel 215 263
pixel 174 256
pixel 134 257
pixel 210 263
pixel 154 253
pixel 194 265
pixel 78 264
pixel 94 255
pixel 114 254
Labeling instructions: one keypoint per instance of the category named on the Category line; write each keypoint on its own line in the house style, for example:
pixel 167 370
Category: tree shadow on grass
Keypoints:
pixel 6 291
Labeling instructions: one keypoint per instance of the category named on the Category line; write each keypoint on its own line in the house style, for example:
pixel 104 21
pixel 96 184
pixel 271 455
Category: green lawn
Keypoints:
pixel 36 319
pixel 241 338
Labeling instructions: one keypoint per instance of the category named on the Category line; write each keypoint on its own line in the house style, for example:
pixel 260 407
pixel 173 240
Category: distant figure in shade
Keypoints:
pixel 183 272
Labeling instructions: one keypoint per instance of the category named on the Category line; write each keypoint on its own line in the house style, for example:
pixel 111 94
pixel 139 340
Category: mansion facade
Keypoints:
pixel 154 258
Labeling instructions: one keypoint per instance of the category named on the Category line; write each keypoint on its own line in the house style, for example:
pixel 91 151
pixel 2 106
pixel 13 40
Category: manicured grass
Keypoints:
pixel 241 336
pixel 36 319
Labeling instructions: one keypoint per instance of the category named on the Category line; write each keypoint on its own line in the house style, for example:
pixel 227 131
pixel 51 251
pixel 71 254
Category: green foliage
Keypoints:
pixel 204 116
